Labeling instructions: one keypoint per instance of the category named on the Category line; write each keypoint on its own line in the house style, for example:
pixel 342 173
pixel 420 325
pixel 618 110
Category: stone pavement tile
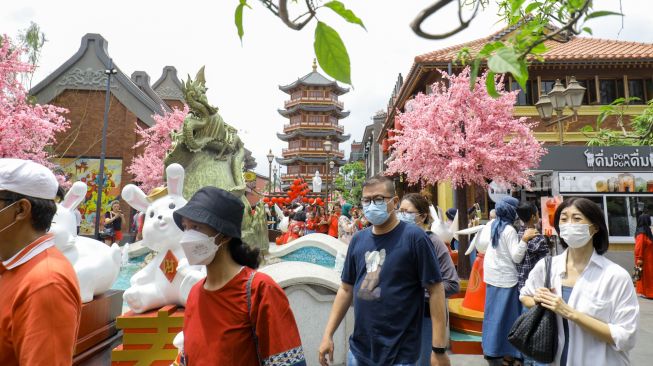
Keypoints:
pixel 641 355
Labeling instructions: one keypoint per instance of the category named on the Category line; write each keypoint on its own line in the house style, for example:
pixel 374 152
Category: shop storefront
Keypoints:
pixel 619 179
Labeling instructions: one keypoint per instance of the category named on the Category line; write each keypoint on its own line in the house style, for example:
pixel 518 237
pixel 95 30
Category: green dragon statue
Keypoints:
pixel 212 154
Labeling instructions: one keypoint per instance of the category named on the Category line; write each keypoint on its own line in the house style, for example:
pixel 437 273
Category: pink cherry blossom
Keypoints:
pixel 27 129
pixel 148 168
pixel 464 136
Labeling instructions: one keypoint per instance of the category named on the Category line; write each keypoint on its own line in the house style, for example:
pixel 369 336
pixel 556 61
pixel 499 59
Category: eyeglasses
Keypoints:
pixel 378 200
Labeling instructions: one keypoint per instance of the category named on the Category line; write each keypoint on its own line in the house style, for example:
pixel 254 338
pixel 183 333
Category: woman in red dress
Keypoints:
pixel 236 315
pixel 644 255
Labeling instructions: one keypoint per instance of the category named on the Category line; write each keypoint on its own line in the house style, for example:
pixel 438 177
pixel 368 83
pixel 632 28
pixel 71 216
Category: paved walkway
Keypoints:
pixel 641 355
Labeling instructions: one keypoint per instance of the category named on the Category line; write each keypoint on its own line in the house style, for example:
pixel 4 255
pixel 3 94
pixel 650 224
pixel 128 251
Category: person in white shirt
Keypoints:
pixel 594 298
pixel 502 305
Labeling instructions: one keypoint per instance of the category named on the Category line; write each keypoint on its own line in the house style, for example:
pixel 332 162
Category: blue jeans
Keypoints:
pixel 351 361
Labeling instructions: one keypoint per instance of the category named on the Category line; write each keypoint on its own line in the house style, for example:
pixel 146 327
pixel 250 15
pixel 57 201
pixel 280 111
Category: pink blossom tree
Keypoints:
pixel 27 130
pixel 466 137
pixel 148 168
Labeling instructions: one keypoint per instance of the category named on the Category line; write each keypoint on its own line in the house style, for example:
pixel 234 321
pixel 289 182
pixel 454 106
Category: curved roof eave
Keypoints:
pixel 100 50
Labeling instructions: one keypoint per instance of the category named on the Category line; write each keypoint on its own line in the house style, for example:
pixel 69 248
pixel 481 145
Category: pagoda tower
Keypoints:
pixel 314 112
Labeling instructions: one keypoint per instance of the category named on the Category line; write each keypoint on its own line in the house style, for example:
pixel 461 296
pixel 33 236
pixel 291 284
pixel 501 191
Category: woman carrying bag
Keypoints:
pixel 235 316
pixel 593 298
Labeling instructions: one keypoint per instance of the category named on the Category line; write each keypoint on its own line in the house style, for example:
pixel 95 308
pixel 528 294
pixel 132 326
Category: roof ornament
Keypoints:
pixel 314 65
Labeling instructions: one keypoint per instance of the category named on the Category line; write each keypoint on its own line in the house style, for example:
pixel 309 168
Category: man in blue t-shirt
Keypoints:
pixel 386 269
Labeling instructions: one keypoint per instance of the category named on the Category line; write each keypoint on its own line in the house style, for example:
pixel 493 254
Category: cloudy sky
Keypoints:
pixel 243 79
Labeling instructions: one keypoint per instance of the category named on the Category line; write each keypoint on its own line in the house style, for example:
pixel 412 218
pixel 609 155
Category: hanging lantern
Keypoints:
pixel 385 145
pixel 398 125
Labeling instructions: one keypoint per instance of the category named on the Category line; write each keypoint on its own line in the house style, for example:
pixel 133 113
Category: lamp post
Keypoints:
pixel 557 99
pixel 331 164
pixel 327 149
pixel 270 157
pixel 274 184
pixel 98 212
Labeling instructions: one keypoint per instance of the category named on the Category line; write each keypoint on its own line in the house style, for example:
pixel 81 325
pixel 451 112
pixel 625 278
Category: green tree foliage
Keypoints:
pixel 350 181
pixel 534 21
pixel 632 131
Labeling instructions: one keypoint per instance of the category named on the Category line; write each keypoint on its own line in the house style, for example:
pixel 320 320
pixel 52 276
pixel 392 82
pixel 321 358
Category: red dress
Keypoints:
pixel 333 225
pixel 644 252
pixel 218 328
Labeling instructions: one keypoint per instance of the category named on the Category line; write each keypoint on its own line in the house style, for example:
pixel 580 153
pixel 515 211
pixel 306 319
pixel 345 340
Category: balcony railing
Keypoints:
pixel 312 151
pixel 317 100
pixel 306 176
pixel 319 125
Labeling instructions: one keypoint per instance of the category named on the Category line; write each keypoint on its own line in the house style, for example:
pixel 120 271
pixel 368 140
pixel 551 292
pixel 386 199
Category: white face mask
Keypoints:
pixel 575 235
pixel 200 249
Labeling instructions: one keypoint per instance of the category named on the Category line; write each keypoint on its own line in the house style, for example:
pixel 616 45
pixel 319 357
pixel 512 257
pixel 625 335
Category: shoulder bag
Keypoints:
pixel 535 333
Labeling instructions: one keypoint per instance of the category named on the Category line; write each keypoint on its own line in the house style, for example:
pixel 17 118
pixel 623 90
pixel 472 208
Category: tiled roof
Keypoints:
pixel 576 49
pixel 314 79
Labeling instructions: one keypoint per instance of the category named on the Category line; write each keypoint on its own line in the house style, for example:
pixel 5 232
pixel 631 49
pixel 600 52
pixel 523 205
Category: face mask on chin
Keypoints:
pixel 199 248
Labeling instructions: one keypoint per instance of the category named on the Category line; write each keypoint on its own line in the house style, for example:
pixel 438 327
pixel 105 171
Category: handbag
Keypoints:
pixel 108 232
pixel 535 333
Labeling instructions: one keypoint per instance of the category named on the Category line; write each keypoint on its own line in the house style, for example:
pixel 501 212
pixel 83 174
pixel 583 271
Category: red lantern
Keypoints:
pixel 296 181
pixel 305 200
pixel 266 200
pixel 311 200
pixel 391 133
pixel 385 145
pixel 288 200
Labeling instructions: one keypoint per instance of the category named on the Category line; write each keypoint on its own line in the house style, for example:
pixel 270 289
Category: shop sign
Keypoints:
pixel 597 158
pixel 606 182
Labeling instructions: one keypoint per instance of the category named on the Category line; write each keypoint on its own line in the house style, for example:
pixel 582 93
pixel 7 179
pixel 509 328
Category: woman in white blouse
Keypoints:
pixel 593 297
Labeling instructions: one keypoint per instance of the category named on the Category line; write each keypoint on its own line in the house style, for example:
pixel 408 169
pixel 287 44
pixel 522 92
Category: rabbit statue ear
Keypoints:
pixel 175 179
pixel 135 197
pixel 434 214
pixel 75 196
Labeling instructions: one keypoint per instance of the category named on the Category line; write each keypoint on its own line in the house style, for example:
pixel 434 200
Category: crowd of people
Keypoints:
pixel 397 275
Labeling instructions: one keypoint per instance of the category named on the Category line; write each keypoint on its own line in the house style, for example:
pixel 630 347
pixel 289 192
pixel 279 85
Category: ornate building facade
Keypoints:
pixel 314 112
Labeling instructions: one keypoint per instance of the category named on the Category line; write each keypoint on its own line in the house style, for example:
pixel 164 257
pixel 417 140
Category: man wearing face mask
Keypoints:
pixel 40 305
pixel 386 269
pixel 235 316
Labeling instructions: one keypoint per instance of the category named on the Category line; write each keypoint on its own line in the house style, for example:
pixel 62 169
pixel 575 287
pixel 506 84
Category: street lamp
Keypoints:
pixel 270 157
pixel 331 164
pixel 274 185
pixel 98 212
pixel 557 99
pixel 327 149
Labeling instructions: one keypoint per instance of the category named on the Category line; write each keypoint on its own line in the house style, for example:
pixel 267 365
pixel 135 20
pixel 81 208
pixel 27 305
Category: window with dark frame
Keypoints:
pixel 524 97
pixel 636 89
pixel 610 89
pixel 590 91
pixel 547 85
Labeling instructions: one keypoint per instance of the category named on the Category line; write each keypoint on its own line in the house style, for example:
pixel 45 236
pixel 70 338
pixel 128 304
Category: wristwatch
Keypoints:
pixel 439 350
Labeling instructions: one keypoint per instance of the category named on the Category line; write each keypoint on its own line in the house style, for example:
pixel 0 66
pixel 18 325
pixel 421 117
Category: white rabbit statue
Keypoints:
pixel 445 232
pixel 284 220
pixel 160 282
pixel 482 239
pixel 96 264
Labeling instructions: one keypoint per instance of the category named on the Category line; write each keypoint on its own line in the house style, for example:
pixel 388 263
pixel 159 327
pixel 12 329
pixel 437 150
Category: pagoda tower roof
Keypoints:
pixel 314 78
pixel 310 133
pixel 303 159
pixel 313 108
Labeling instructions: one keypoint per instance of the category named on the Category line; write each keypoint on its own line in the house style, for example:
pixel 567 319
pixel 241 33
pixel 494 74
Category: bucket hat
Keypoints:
pixel 215 207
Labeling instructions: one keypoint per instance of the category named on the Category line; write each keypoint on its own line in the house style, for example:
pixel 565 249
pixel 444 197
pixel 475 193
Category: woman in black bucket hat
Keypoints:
pixel 235 316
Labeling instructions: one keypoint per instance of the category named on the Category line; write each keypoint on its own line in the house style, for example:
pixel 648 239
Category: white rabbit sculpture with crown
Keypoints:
pixel 167 279
pixel 96 264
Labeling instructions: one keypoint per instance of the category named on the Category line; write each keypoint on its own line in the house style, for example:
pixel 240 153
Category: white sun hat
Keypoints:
pixel 27 178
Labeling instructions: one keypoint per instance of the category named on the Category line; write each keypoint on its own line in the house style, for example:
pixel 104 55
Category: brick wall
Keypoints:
pixel 84 137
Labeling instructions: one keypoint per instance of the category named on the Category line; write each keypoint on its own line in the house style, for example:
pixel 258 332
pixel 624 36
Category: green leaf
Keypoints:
pixel 331 53
pixel 490 86
pixel 346 14
pixel 505 60
pixel 601 13
pixel 587 129
pixel 587 30
pixel 239 18
pixel 531 7
pixel 474 73
pixel 490 47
